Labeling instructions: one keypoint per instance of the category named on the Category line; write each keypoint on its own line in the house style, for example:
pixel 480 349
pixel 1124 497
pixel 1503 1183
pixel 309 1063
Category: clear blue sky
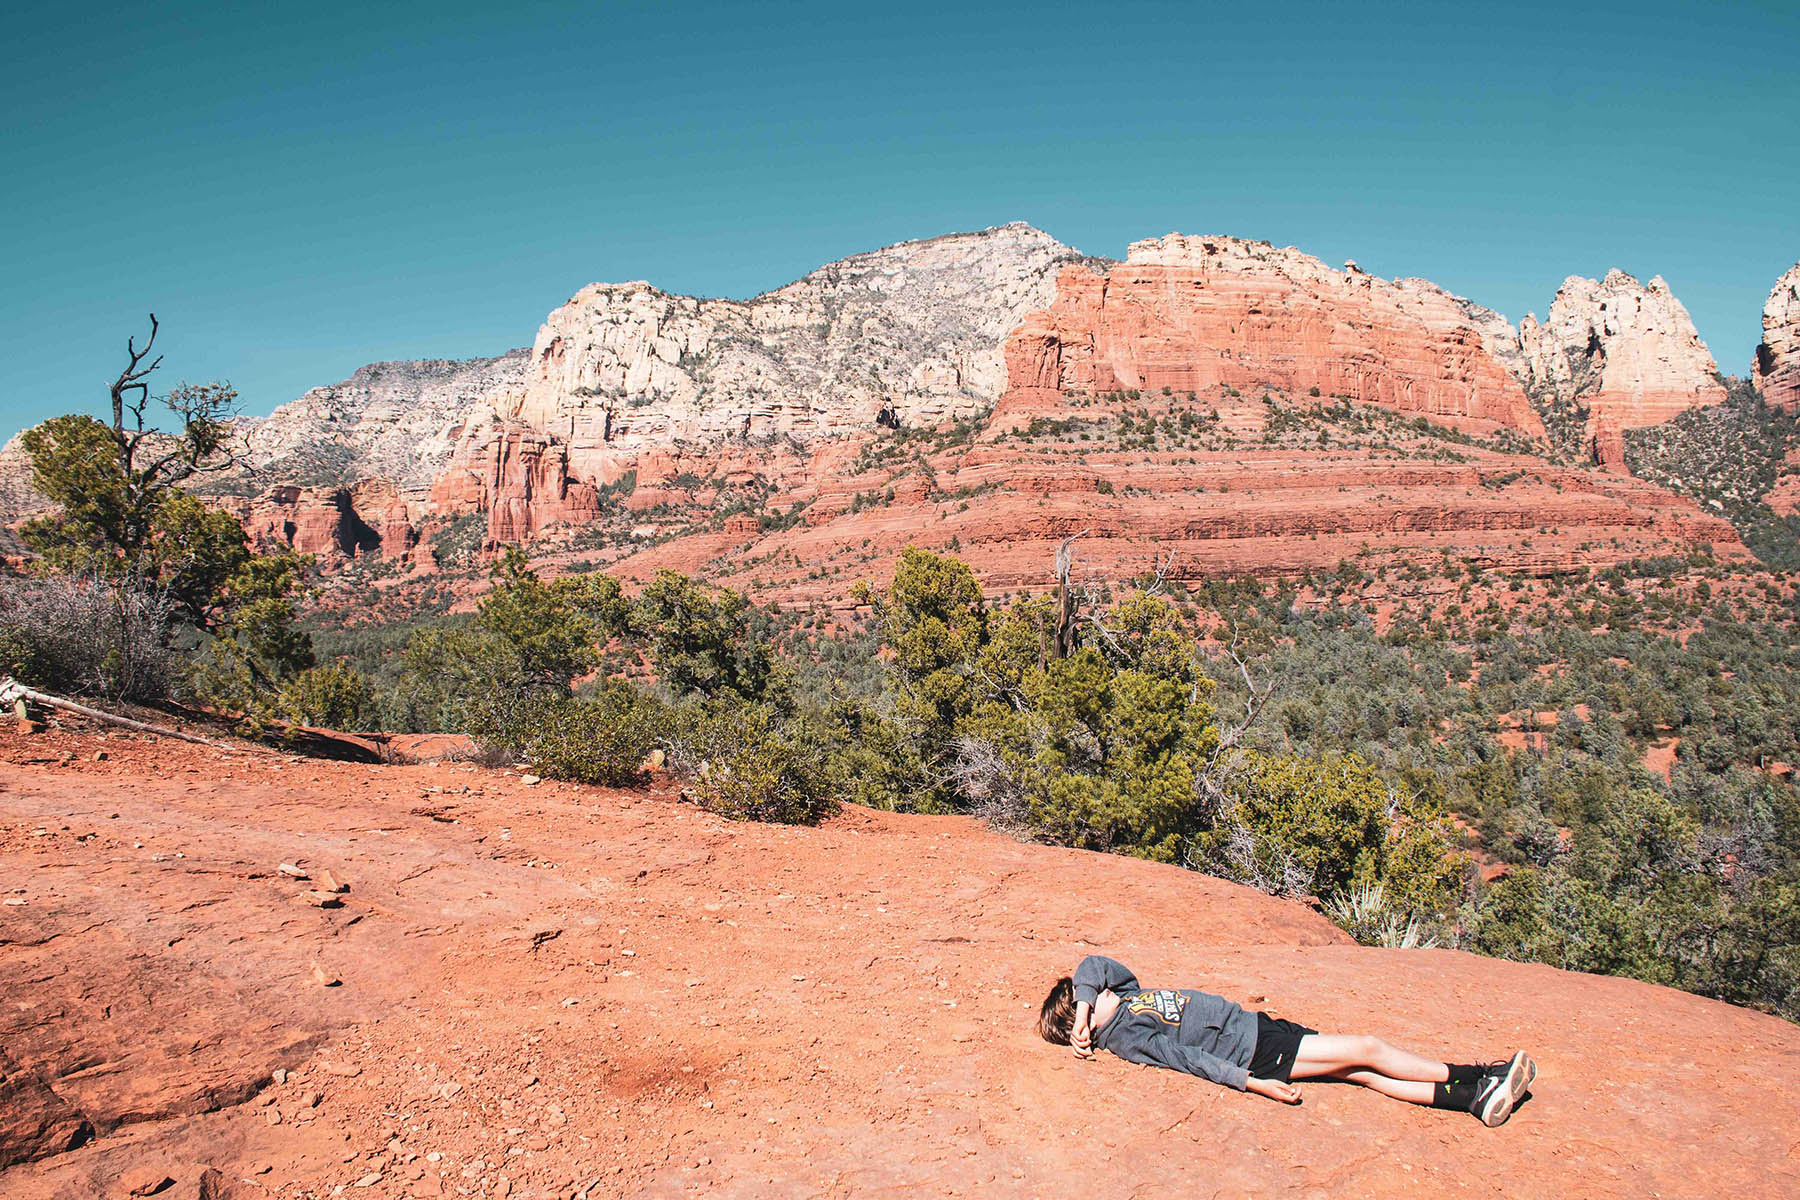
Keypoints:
pixel 300 189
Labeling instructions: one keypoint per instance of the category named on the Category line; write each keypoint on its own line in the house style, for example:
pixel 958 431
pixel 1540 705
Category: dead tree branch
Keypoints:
pixel 1067 609
pixel 1210 778
pixel 131 379
pixel 13 693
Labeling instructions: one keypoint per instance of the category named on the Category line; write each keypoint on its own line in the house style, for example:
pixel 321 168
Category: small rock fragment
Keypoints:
pixel 292 872
pixel 331 883
pixel 322 899
pixel 100 756
pixel 144 1181
pixel 324 978
pixel 369 1180
pixel 530 780
pixel 279 1074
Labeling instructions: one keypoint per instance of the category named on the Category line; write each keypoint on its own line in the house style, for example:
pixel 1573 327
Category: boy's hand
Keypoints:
pixel 1274 1089
pixel 1081 1039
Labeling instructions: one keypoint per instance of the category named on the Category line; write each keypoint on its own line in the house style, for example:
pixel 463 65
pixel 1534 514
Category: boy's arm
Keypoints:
pixel 1097 974
pixel 1081 1032
pixel 1160 1050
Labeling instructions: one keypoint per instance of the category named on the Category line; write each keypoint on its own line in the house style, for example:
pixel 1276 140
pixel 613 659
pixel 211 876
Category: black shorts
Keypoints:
pixel 1277 1043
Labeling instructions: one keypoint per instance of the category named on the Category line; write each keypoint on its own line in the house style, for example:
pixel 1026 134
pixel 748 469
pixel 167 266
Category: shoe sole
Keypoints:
pixel 1519 1073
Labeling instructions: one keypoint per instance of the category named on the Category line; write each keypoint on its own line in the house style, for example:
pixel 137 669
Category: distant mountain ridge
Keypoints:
pixel 625 382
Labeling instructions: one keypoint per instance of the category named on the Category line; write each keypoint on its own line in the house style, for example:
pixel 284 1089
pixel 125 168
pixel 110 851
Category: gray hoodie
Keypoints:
pixel 1196 1032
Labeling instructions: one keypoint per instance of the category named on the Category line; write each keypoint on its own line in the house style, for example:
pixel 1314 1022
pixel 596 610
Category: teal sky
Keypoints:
pixel 297 190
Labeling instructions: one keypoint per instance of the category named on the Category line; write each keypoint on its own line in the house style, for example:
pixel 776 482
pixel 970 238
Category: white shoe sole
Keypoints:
pixel 1519 1073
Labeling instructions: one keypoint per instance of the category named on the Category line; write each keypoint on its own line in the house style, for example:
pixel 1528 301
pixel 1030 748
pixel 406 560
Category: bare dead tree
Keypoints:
pixel 131 379
pixel 206 411
pixel 1210 779
pixel 1084 606
pixel 1067 608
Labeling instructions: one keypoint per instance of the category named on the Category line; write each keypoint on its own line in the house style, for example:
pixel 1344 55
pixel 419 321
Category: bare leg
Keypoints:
pixel 1337 1054
pixel 1413 1091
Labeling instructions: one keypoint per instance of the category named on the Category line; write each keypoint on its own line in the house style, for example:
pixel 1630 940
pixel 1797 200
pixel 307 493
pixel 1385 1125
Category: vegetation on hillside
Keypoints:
pixel 1727 457
pixel 1588 769
pixel 139 590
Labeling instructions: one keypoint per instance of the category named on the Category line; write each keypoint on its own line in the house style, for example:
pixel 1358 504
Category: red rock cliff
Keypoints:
pixel 1192 313
pixel 519 476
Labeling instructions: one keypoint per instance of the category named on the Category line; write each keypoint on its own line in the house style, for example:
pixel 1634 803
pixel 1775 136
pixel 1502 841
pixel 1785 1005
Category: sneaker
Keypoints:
pixel 1515 1075
pixel 1493 1102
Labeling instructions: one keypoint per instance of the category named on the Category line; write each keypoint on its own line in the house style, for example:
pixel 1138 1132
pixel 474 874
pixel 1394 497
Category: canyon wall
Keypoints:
pixel 1193 313
pixel 783 395
pixel 1615 354
pixel 1777 368
pixel 910 335
pixel 398 421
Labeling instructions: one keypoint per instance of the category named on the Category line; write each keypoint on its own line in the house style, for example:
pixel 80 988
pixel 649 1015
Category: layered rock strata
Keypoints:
pixel 908 335
pixel 518 476
pixel 1190 314
pixel 367 518
pixel 780 397
pixel 1777 368
pixel 397 421
pixel 1616 354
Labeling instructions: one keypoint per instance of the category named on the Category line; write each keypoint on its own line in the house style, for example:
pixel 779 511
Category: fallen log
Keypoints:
pixel 16 694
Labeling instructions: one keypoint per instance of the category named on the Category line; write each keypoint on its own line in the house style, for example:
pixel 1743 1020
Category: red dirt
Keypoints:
pixel 557 990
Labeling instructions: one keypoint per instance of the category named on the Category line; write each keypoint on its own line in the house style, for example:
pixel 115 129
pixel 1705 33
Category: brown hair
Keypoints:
pixel 1057 1016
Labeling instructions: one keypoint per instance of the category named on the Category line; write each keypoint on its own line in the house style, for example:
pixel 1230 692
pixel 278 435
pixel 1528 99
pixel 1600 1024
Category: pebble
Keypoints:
pixel 144 1181
pixel 530 780
pixel 369 1180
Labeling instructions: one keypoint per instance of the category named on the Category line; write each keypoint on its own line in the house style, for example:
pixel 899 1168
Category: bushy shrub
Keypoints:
pixel 334 696
pixel 86 635
pixel 748 764
pixel 1341 825
pixel 254 648
pixel 601 739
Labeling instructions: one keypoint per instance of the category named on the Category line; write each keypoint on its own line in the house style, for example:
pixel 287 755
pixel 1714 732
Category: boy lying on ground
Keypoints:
pixel 1103 1006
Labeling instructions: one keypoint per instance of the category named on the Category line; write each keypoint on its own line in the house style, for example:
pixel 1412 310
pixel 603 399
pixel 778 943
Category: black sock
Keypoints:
pixel 1467 1072
pixel 1459 1096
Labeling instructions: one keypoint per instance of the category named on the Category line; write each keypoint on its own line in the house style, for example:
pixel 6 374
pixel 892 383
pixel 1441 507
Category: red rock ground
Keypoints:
pixel 555 991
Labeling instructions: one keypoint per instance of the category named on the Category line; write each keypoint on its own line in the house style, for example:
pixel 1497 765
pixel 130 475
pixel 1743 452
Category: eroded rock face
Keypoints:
pixel 780 396
pixel 1777 369
pixel 397 421
pixel 1192 313
pixel 333 524
pixel 518 476
pixel 911 334
pixel 1614 355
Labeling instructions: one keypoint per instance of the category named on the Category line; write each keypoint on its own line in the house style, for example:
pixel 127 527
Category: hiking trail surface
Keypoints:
pixel 538 990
